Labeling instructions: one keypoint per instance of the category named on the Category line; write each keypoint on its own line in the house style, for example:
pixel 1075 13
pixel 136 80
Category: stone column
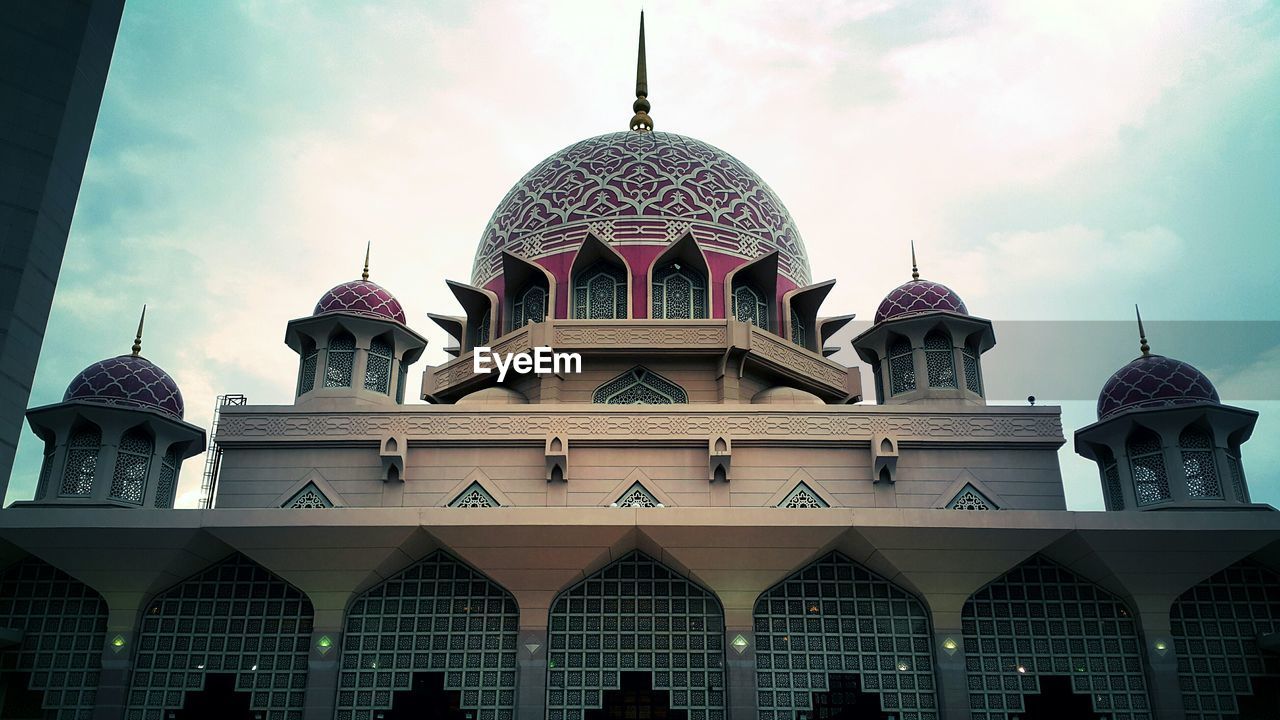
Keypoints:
pixel 948 656
pixel 323 666
pixel 118 650
pixel 531 672
pixel 740 671
pixel 1160 658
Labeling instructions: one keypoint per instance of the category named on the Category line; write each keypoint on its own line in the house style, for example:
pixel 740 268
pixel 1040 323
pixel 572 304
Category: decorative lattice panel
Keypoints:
pixel 133 462
pixel 309 497
pixel 437 616
pixel 474 497
pixel 1146 464
pixel 1042 619
pixel 837 617
pixel 797 329
pixel 972 371
pixel 64 627
pixel 1199 465
pixel 803 496
pixel 340 361
pixel 679 293
pixel 600 292
pixel 82 461
pixel 749 306
pixel 167 483
pixel 1216 626
pixel 902 368
pixel 235 617
pixel 307 371
pixel 637 496
pixel 639 386
pixel 529 307
pixel 377 369
pixel 940 360
pixel 969 498
pixel 636 615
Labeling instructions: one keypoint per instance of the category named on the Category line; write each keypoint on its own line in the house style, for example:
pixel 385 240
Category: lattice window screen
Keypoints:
pixel 902 367
pixel 64 625
pixel 940 360
pixel 1042 619
pixel 749 306
pixel 797 329
pixel 835 616
pixel 679 293
pixel 439 615
pixel 636 615
pixel 1111 479
pixel 600 292
pixel 1146 464
pixel 972 370
pixel 803 496
pixel 1215 627
pixel 170 465
pixel 133 463
pixel 1199 465
pixel 377 370
pixel 340 360
pixel 969 498
pixel 637 496
pixel 474 497
pixel 639 386
pixel 529 307
pixel 234 617
pixel 82 461
pixel 307 370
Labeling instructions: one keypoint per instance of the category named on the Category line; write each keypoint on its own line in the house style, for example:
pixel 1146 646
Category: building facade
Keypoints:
pixel 706 523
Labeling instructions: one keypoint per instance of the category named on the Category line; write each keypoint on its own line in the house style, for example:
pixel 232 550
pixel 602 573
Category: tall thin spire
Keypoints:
pixel 365 275
pixel 641 122
pixel 137 339
pixel 1142 334
pixel 915 271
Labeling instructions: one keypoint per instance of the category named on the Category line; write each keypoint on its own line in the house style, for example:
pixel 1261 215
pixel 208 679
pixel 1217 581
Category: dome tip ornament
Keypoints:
pixel 1142 334
pixel 365 274
pixel 641 122
pixel 915 271
pixel 137 338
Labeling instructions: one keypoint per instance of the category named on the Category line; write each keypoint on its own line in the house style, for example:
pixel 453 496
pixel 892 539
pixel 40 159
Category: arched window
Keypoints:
pixel 1146 464
pixel 1198 464
pixel 82 461
pixel 877 378
pixel 1237 472
pixel 639 386
pixel 902 367
pixel 679 293
pixel 307 367
pixel 377 368
pixel 797 329
pixel 940 359
pixel 972 371
pixel 481 334
pixel 340 361
pixel 133 462
pixel 401 380
pixel 530 306
pixel 600 292
pixel 749 306
pixel 170 466
pixel 1111 479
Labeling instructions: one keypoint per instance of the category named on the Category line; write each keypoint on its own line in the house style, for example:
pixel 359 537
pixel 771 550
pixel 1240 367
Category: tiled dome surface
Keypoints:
pixel 130 381
pixel 361 297
pixel 1154 381
pixel 919 296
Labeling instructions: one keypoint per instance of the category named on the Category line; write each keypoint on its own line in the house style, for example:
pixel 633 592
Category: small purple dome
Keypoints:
pixel 362 298
pixel 919 296
pixel 1154 381
pixel 129 381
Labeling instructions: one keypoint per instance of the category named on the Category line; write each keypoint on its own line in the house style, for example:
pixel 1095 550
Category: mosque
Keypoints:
pixel 709 522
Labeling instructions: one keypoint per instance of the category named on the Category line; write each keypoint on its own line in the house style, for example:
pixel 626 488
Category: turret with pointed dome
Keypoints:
pixel 117 438
pixel 924 345
pixel 355 345
pixel 1164 440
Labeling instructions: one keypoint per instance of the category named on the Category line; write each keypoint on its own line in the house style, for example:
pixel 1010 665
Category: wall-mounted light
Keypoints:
pixel 324 644
pixel 739 643
pixel 903 666
pixel 117 643
pixel 1161 647
pixel 949 646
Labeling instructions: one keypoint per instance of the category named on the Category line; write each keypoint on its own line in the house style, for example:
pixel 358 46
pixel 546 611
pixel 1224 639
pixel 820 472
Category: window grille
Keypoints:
pixel 377 370
pixel 970 499
pixel 402 379
pixel 340 361
pixel 639 386
pixel 309 497
pixel 481 336
pixel 82 461
pixel 1111 479
pixel 797 329
pixel 474 497
pixel 1199 465
pixel 167 484
pixel 972 370
pixel 1146 463
pixel 749 306
pixel 307 369
pixel 600 292
pixel 133 463
pixel 637 496
pixel 1237 474
pixel 902 367
pixel 529 307
pixel 46 470
pixel 679 293
pixel 803 496
pixel 940 360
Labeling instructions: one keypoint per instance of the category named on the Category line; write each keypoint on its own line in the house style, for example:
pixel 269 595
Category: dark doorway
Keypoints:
pixel 217 701
pixel 17 701
pixel 636 700
pixel 845 700
pixel 1056 701
pixel 426 700
pixel 1264 703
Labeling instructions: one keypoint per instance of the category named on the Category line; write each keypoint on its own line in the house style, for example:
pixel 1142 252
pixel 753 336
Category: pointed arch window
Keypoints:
pixel 749 306
pixel 972 369
pixel 377 369
pixel 797 329
pixel 940 359
pixel 1146 464
pixel 803 496
pixel 82 461
pixel 133 462
pixel 402 378
pixel 600 292
pixel 637 496
pixel 639 386
pixel 1198 464
pixel 481 334
pixel 530 306
pixel 307 367
pixel 340 360
pixel 902 368
pixel 679 293
pixel 474 496
pixel 170 465
pixel 46 468
pixel 1237 473
pixel 1111 479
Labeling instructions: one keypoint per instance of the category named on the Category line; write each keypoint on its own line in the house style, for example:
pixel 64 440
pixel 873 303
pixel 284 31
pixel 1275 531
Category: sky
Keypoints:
pixel 1055 163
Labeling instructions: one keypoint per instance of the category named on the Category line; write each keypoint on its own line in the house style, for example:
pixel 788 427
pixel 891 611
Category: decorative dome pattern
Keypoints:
pixel 641 188
pixel 129 381
pixel 1153 381
pixel 919 296
pixel 363 298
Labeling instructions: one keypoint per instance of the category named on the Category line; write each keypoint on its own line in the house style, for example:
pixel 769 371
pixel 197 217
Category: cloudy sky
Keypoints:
pixel 1051 165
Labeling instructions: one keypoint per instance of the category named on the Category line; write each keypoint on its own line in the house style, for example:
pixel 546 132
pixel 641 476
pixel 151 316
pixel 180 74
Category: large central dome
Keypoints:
pixel 633 188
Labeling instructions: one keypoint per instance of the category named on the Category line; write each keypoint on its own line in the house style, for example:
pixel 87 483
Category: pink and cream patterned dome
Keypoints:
pixel 127 381
pixel 634 189
pixel 919 296
pixel 361 297
pixel 1154 381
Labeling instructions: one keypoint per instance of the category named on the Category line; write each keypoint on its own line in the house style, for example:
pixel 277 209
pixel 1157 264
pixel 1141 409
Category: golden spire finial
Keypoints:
pixel 365 275
pixel 1142 334
pixel 641 122
pixel 137 339
pixel 915 271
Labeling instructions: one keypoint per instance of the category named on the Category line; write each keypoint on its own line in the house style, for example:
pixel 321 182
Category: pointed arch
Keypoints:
pixel 751 292
pixel 636 609
pixel 81 468
pixel 530 291
pixel 678 282
pixel 1199 466
pixel 134 453
pixel 600 279
pixel 834 619
pixel 307 364
pixel 639 386
pixel 1147 466
pixel 940 359
pixel 438 615
pixel 378 362
pixel 340 359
